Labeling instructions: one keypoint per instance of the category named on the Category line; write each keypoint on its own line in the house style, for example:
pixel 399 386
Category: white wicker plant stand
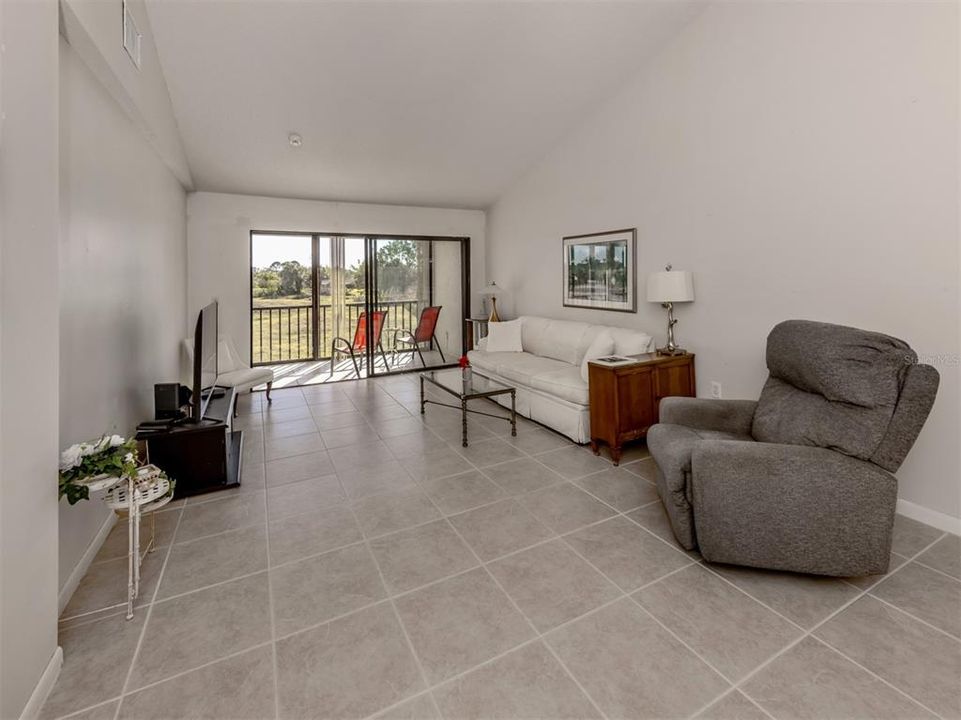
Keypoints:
pixel 148 490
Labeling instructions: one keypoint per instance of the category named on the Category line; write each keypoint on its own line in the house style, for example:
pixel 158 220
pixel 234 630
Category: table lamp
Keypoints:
pixel 667 288
pixel 490 290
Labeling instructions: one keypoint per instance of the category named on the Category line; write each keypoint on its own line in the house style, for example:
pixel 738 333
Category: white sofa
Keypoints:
pixel 547 374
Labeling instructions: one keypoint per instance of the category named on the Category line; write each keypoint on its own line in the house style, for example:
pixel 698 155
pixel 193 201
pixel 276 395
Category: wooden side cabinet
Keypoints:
pixel 624 398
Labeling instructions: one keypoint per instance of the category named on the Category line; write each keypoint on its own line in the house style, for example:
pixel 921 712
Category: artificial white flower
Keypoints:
pixel 70 458
pixel 87 449
pixel 116 440
pixel 128 458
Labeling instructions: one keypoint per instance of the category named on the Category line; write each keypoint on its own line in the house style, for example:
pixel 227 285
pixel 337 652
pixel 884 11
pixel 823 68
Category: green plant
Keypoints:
pixel 111 455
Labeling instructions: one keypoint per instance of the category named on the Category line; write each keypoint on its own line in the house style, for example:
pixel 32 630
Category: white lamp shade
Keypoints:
pixel 670 286
pixel 490 289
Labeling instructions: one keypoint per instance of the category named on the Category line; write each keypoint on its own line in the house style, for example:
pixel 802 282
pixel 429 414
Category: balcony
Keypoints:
pixel 284 336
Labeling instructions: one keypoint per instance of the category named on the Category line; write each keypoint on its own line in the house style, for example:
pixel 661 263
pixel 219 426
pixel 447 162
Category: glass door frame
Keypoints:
pixel 370 253
pixel 370 291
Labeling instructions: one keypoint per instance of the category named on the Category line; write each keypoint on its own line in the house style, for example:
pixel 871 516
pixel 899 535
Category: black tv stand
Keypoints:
pixel 202 456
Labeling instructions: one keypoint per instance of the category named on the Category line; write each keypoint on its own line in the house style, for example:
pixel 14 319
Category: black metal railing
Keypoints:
pixel 286 333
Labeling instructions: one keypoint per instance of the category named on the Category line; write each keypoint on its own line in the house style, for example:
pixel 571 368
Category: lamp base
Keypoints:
pixel 494 317
pixel 669 352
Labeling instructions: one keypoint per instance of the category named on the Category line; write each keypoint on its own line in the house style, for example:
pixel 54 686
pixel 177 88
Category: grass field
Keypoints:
pixel 281 328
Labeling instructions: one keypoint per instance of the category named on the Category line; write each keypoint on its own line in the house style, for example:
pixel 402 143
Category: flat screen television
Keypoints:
pixel 205 360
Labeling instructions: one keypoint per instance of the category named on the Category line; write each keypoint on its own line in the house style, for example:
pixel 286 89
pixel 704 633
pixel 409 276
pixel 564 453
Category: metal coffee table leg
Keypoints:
pixel 513 413
pixel 463 412
pixel 422 403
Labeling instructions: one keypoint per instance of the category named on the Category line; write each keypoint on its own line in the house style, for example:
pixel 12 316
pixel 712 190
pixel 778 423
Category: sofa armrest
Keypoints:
pixel 792 507
pixel 733 416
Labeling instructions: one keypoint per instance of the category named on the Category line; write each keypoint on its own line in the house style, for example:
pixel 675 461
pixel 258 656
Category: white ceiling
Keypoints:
pixel 438 103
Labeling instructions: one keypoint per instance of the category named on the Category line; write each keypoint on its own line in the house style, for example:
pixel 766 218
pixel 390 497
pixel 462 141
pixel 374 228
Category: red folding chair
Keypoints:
pixel 359 344
pixel 423 333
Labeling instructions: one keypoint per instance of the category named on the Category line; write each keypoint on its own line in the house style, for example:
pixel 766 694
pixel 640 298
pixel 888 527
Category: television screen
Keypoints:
pixel 208 355
pixel 205 358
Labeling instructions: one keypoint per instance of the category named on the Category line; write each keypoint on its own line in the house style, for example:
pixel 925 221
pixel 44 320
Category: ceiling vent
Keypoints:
pixel 132 37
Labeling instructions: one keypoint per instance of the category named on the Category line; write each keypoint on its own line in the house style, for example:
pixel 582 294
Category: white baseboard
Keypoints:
pixel 69 587
pixel 42 691
pixel 936 519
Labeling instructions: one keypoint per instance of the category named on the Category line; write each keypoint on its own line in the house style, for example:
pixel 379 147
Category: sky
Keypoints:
pixel 268 249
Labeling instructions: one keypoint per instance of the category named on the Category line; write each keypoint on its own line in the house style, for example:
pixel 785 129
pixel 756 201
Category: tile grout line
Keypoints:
pixel 180 674
pixel 540 636
pixel 537 633
pixel 867 593
pixel 146 622
pixel 270 590
pixel 804 633
pixel 346 502
pixel 484 565
pixel 810 633
pixel 875 675
pixel 728 693
pixel 393 606
pixel 630 597
pixel 441 516
pixel 736 687
pixel 691 562
pixel 446 516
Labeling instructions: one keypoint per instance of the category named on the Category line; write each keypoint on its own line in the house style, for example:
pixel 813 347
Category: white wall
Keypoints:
pixel 94 29
pixel 29 339
pixel 123 279
pixel 802 160
pixel 218 242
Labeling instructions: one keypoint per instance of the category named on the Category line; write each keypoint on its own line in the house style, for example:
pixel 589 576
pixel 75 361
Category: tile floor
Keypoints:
pixel 372 567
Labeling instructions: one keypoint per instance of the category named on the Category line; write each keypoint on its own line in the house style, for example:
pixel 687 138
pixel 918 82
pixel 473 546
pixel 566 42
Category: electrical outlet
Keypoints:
pixel 715 390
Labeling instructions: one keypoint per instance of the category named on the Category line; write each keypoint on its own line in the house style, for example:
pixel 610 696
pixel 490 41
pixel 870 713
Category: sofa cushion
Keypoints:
pixel 523 367
pixel 566 384
pixel 602 345
pixel 557 339
pixel 630 342
pixel 830 386
pixel 504 337
pixel 483 360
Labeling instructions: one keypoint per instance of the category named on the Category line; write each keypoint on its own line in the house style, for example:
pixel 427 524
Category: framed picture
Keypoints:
pixel 599 270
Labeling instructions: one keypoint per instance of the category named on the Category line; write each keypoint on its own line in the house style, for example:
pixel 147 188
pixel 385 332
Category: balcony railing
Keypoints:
pixel 285 333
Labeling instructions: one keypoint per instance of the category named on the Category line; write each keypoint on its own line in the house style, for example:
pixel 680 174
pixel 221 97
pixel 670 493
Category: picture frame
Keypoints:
pixel 600 270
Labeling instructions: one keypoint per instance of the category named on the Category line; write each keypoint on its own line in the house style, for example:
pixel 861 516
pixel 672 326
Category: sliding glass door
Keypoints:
pixel 355 306
pixel 418 284
pixel 283 299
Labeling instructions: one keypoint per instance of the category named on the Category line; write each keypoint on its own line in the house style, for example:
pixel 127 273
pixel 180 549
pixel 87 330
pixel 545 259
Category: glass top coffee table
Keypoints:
pixel 465 385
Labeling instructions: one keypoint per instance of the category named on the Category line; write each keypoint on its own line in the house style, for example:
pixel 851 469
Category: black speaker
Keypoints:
pixel 166 398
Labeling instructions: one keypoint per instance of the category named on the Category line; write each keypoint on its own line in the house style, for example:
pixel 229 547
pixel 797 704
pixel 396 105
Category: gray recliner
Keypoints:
pixel 801 479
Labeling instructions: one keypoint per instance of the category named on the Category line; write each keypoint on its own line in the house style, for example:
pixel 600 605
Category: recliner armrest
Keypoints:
pixel 733 416
pixel 792 507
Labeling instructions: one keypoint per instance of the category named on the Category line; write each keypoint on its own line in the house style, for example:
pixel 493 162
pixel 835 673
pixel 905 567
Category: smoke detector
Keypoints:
pixel 295 140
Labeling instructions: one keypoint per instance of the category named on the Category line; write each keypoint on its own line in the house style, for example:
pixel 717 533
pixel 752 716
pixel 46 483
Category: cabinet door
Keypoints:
pixel 635 403
pixel 672 380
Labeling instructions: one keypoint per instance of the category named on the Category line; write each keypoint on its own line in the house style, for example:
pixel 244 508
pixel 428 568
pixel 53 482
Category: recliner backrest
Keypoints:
pixel 840 388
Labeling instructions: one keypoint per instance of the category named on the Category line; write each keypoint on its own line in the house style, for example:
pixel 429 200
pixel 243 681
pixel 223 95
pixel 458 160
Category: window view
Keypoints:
pixel 310 297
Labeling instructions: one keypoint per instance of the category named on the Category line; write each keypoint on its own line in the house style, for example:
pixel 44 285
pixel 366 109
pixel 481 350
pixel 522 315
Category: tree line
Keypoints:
pixel 397 266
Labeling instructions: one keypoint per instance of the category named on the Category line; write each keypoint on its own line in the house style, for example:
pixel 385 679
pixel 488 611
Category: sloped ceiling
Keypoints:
pixel 422 103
